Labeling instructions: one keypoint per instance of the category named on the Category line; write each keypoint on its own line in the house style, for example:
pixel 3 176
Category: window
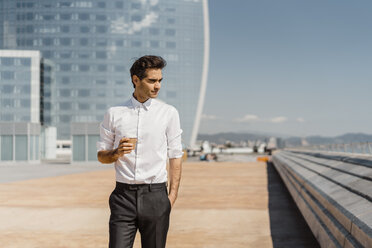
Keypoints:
pixel 101 43
pixel 65 67
pixel 101 55
pixel 101 17
pixel 8 75
pixel 65 93
pixel 119 43
pixel 29 29
pixel 136 43
pixel 65 4
pixel 65 105
pixel 47 106
pixel 119 68
pixel 47 54
pixel 101 5
pixel 171 94
pixel 170 44
pixel 136 6
pixel 154 31
pixel 84 41
pixel 101 106
pixel 26 89
pixel 65 118
pixel 170 32
pixel 8 89
pixel 48 17
pixel 136 18
pixel 6 117
pixel 170 10
pixel 29 16
pixel 101 82
pixel 84 55
pixel 47 41
pixel 65 17
pixel 26 62
pixel 83 4
pixel 101 93
pixel 84 29
pixel 65 80
pixel 7 61
pixel 8 103
pixel 120 82
pixel 102 68
pixel 83 92
pixel 119 5
pixel 83 67
pixel 65 41
pixel 84 106
pixel 101 29
pixel 154 44
pixel 25 103
pixel 65 29
pixel 83 16
pixel 65 55
pixel 171 21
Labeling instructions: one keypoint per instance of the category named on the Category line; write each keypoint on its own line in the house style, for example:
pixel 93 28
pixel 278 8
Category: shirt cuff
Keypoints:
pixel 175 154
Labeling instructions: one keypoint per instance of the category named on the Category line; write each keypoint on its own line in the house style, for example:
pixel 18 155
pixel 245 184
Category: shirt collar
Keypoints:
pixel 136 104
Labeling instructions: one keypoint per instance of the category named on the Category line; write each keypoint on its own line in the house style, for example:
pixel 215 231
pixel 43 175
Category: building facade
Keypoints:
pixel 20 86
pixel 92 44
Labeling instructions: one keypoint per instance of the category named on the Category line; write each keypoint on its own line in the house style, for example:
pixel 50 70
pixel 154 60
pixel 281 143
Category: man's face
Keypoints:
pixel 149 86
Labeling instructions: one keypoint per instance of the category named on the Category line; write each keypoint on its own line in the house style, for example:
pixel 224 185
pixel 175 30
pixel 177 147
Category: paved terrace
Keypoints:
pixel 223 204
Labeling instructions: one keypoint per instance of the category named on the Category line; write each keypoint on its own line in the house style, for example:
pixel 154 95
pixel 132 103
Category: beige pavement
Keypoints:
pixel 219 205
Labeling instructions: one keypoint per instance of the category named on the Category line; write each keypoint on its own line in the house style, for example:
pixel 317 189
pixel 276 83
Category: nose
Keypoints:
pixel 157 85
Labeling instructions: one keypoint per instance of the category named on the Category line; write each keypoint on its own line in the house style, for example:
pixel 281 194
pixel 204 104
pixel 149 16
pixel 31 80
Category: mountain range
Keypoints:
pixel 221 138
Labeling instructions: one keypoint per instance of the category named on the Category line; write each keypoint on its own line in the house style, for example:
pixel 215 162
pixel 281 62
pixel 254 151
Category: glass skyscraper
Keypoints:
pixel 20 86
pixel 92 44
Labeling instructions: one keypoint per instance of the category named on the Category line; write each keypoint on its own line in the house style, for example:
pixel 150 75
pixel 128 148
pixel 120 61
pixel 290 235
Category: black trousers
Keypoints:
pixel 145 207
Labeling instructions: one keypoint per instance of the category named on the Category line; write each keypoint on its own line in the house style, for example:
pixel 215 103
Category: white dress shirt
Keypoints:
pixel 156 126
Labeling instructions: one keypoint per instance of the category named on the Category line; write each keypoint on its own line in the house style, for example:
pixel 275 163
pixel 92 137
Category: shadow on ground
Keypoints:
pixel 288 227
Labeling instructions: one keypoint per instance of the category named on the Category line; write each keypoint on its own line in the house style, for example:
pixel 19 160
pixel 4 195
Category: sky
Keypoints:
pixel 289 67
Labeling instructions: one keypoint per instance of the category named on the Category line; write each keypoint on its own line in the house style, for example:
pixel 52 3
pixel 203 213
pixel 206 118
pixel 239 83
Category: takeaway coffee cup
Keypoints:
pixel 133 141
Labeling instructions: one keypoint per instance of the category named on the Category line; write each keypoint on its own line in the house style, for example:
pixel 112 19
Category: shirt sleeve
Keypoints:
pixel 107 133
pixel 174 132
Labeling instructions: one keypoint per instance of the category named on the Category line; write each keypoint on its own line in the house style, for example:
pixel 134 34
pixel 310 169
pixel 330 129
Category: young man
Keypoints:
pixel 140 199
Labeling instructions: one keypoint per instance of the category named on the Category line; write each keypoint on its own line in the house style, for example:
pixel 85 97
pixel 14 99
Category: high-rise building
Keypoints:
pixel 92 44
pixel 20 86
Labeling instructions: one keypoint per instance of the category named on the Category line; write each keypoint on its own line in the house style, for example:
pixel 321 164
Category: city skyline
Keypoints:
pixel 296 68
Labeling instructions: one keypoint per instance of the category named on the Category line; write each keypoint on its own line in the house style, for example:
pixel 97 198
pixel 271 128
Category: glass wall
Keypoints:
pixel 78 148
pixel 6 147
pixel 15 89
pixel 93 44
pixel 19 142
pixel 21 148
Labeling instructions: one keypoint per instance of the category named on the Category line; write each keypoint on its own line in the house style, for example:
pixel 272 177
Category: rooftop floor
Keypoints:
pixel 220 204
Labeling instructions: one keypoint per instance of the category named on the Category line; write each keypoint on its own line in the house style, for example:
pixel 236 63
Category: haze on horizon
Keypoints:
pixel 289 67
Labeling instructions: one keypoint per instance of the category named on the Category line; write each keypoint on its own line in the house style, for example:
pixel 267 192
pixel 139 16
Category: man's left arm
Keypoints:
pixel 175 171
pixel 175 153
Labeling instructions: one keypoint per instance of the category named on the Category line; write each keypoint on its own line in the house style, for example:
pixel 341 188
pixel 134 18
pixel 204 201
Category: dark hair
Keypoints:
pixel 146 62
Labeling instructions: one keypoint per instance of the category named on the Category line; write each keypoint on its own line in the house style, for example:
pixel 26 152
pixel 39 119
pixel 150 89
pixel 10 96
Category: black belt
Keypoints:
pixel 126 186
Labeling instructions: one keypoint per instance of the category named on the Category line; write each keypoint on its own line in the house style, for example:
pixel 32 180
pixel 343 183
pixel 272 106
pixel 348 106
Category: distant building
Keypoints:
pixel 20 86
pixel 91 45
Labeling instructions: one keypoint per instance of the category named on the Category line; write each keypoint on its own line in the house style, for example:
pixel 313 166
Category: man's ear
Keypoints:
pixel 135 80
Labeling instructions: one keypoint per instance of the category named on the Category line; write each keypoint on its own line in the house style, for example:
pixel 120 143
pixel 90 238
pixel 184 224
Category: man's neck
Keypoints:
pixel 139 98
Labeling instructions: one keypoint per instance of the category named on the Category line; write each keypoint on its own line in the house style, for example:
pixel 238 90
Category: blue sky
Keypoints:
pixel 289 67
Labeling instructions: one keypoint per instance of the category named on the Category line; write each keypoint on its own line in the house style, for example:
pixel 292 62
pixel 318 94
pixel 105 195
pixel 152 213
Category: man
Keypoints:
pixel 140 199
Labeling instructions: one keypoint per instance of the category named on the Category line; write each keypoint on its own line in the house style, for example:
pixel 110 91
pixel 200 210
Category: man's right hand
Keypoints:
pixel 123 148
pixel 111 156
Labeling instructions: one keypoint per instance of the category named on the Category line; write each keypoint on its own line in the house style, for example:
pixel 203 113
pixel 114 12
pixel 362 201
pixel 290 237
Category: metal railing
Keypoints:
pixel 360 148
